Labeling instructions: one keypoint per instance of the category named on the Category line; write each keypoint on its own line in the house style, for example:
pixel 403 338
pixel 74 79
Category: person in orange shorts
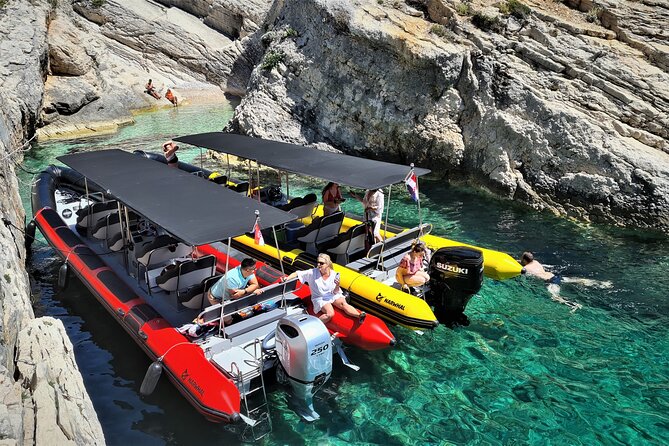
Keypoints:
pixel 171 97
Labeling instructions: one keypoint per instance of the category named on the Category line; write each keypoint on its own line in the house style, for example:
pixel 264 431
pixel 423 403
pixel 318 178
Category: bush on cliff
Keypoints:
pixel 486 22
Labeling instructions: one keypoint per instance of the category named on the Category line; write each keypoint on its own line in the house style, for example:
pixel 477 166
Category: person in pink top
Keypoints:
pixel 410 273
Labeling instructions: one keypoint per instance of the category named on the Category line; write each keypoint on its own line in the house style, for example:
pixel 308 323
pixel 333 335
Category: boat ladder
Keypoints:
pixel 251 387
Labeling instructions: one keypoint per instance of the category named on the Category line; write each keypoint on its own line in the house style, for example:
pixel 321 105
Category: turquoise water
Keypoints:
pixel 526 371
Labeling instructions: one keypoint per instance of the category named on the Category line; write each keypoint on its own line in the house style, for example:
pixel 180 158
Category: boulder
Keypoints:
pixel 67 53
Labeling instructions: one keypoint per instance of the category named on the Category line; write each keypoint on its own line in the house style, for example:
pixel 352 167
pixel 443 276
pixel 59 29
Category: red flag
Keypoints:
pixel 412 185
pixel 257 235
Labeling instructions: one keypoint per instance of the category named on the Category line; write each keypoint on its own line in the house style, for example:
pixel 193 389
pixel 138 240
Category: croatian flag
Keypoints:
pixel 412 185
pixel 257 235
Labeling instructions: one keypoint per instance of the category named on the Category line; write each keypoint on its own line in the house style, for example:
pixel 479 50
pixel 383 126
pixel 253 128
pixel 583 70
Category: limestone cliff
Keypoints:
pixel 563 106
pixel 43 399
pixel 102 54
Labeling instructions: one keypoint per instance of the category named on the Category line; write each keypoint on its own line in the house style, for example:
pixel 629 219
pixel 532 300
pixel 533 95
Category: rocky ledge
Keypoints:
pixel 43 400
pixel 562 106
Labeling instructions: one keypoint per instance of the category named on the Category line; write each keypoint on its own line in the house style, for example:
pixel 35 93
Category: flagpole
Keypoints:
pixel 420 215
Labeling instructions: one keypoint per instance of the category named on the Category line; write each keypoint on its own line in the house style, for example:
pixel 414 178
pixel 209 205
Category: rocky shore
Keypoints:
pixel 563 106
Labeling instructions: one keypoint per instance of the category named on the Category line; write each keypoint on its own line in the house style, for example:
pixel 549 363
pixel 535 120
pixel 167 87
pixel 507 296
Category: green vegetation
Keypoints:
pixel 518 10
pixel 97 3
pixel 3 3
pixel 380 2
pixel 593 15
pixel 485 22
pixel 438 30
pixel 515 8
pixel 463 9
pixel 8 278
pixel 272 59
pixel 290 32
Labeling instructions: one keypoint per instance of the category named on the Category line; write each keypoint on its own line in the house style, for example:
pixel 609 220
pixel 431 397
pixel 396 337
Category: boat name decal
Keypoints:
pixel 379 298
pixel 452 268
pixel 394 304
pixel 185 376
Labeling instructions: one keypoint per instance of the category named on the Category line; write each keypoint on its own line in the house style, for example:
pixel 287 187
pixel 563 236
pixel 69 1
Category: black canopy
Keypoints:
pixel 342 169
pixel 188 207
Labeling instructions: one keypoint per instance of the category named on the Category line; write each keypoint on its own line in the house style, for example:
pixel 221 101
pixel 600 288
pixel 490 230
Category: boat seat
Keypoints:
pixel 330 227
pixel 253 322
pixel 105 227
pixel 240 187
pixel 346 244
pixel 185 274
pixel 93 213
pixel 302 207
pixel 195 296
pixel 271 293
pixel 308 233
pixel 221 179
pixel 159 251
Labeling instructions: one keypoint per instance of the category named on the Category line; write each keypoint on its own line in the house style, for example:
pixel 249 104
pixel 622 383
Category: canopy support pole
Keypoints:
pixel 221 325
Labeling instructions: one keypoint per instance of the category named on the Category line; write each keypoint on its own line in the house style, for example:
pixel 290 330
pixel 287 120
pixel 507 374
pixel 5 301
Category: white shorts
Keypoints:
pixel 320 301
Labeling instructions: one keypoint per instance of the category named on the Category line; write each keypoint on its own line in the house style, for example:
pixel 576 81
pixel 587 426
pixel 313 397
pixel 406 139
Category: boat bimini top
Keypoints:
pixel 194 211
pixel 336 167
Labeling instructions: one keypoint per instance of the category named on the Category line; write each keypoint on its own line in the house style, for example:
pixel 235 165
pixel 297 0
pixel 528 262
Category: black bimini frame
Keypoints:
pixel 194 211
pixel 336 167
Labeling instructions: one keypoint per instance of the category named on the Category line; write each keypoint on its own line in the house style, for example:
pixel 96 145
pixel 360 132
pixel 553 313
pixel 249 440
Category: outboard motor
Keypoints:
pixel 304 348
pixel 456 274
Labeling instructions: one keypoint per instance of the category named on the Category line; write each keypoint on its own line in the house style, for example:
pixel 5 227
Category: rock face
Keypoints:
pixel 42 397
pixel 110 51
pixel 565 109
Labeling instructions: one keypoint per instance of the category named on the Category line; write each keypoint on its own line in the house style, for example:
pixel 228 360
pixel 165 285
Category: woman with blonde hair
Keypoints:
pixel 325 291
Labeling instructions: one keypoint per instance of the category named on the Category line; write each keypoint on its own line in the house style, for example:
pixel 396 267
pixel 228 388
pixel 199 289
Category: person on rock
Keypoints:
pixel 169 95
pixel 151 89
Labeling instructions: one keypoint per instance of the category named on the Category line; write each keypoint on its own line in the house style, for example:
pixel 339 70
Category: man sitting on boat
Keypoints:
pixel 237 282
pixel 325 291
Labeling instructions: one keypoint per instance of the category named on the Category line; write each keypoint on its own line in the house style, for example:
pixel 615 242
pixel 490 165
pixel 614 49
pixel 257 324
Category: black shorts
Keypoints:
pixel 174 160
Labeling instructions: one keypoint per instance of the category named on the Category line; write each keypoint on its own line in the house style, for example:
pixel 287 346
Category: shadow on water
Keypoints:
pixel 525 371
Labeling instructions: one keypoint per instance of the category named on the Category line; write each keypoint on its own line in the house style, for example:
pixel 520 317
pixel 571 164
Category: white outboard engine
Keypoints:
pixel 304 348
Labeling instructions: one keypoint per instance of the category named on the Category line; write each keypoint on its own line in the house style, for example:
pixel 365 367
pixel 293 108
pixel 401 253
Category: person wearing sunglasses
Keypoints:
pixel 325 290
pixel 238 282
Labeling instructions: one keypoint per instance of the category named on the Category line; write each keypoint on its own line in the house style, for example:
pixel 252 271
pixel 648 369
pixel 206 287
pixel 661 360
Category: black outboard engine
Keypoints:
pixel 456 274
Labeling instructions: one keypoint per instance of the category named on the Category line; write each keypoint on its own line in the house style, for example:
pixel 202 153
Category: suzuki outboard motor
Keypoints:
pixel 456 274
pixel 304 348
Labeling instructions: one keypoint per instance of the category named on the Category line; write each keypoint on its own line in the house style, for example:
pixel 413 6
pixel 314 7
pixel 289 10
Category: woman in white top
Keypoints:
pixel 373 202
pixel 325 291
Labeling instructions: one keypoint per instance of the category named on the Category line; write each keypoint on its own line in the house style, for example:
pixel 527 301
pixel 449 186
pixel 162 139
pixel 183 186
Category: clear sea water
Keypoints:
pixel 526 371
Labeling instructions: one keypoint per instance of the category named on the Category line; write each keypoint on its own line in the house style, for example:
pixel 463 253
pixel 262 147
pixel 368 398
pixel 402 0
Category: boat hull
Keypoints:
pixel 212 394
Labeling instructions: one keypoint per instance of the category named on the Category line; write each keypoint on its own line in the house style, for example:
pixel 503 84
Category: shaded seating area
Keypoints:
pixel 302 207
pixel 91 214
pixel 195 297
pixel 183 275
pixel 159 251
pixel 320 230
pixel 346 245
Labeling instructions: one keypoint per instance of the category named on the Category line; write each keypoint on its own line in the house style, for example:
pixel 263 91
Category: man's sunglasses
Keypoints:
pixel 322 263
